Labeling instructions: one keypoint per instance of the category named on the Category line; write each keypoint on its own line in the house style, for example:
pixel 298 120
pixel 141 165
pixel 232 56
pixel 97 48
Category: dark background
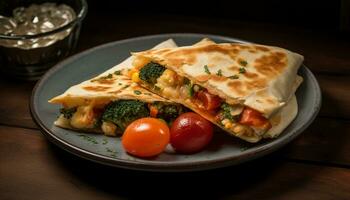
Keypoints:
pixel 321 15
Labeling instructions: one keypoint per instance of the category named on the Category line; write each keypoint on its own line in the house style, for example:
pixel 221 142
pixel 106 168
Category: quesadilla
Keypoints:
pixel 109 102
pixel 245 89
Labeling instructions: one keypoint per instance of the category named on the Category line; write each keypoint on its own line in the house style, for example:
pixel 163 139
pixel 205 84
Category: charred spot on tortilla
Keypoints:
pixel 217 78
pixel 96 88
pixel 261 48
pixel 272 64
pixel 251 75
pixel 203 78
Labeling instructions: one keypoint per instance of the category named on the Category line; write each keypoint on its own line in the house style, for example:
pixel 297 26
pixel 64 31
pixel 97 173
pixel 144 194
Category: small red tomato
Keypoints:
pixel 209 101
pixel 146 137
pixel 190 133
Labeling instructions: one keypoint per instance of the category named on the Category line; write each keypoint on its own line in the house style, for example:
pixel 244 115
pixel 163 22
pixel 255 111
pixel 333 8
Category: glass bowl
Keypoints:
pixel 29 63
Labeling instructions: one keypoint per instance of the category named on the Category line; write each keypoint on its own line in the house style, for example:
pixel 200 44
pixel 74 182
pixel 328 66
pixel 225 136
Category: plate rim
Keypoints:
pixel 147 165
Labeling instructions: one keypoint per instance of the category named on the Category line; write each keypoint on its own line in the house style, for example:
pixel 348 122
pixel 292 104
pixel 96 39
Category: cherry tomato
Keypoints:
pixel 190 133
pixel 254 118
pixel 208 100
pixel 146 137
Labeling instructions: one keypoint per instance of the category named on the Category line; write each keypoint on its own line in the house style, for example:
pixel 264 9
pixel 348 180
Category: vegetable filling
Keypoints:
pixel 117 115
pixel 235 117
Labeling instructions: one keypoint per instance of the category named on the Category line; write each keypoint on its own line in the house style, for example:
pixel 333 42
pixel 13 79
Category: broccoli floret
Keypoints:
pixel 168 112
pixel 123 112
pixel 68 112
pixel 226 111
pixel 150 72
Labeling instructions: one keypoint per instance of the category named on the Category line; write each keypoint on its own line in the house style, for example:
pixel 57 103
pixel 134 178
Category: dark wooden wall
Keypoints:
pixel 323 15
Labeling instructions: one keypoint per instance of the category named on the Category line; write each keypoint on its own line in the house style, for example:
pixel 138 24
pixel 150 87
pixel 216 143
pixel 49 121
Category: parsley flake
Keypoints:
pixel 118 72
pixel 242 70
pixel 137 92
pixel 126 86
pixel 206 69
pixel 243 63
pixel 219 72
pixel 156 88
pixel 234 77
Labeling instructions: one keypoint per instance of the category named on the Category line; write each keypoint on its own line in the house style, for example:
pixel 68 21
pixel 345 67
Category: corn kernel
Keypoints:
pixel 228 125
pixel 109 128
pixel 135 77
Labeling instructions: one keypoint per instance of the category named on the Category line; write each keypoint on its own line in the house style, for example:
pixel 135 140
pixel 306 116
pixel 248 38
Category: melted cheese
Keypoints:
pixel 83 118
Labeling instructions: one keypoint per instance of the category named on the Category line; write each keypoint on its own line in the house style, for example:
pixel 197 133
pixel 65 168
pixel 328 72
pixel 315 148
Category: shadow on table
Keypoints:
pixel 251 178
pixel 326 140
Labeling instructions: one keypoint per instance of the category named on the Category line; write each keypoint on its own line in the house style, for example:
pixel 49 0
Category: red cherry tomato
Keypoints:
pixel 190 133
pixel 254 118
pixel 208 100
pixel 146 137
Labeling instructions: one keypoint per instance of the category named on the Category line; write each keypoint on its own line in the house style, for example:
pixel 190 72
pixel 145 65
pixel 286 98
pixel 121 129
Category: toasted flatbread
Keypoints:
pixel 258 77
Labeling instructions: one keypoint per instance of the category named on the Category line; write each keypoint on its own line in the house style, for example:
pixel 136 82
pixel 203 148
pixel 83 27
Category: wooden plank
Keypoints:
pixel 324 52
pixel 32 168
pixel 14 106
pixel 336 96
pixel 326 141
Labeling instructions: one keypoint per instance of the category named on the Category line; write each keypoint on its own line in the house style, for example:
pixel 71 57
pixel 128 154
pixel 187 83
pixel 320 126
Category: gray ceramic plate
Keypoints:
pixel 223 150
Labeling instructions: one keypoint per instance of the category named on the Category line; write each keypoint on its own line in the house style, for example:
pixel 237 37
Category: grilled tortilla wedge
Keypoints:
pixel 242 88
pixel 110 101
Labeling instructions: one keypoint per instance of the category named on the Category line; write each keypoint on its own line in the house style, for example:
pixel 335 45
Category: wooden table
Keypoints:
pixel 314 166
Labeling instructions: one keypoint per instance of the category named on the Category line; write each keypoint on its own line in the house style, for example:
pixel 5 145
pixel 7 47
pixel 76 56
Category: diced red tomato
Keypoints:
pixel 153 111
pixel 254 118
pixel 209 101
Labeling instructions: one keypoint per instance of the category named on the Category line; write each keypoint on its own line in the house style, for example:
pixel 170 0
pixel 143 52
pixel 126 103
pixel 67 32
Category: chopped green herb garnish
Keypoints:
pixel 126 86
pixel 242 70
pixel 243 148
pixel 190 90
pixel 234 77
pixel 120 84
pixel 219 72
pixel 206 69
pixel 108 76
pixel 113 152
pixel 118 72
pixel 89 139
pixel 137 92
pixel 243 63
pixel 105 141
pixel 110 150
pixel 149 94
pixel 156 88
pixel 187 81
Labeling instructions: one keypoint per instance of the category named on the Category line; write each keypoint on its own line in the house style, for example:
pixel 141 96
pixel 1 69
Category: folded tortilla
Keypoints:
pixel 262 78
pixel 95 94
